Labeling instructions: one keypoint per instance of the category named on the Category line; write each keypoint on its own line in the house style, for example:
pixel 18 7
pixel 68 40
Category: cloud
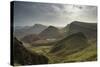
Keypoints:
pixel 28 13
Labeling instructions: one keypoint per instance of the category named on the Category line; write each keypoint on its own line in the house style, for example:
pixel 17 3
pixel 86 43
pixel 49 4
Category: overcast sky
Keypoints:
pixel 30 13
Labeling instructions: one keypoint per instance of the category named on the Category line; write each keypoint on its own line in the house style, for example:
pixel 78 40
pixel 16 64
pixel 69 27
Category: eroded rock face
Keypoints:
pixel 24 57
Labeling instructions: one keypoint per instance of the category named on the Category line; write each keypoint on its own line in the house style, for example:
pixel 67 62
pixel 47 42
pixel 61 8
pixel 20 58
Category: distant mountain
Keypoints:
pixel 50 32
pixel 36 29
pixel 23 56
pixel 19 31
pixel 89 29
pixel 70 44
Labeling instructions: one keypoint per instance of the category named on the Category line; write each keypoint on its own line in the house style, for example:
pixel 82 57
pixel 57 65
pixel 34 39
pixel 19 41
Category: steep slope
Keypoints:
pixel 88 29
pixel 50 32
pixel 88 54
pixel 30 38
pixel 36 29
pixel 70 44
pixel 24 57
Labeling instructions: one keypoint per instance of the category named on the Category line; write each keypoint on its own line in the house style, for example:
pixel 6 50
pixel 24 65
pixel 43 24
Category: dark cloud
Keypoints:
pixel 28 13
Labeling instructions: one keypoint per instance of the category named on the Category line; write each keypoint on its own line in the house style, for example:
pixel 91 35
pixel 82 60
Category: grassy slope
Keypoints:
pixel 70 45
pixel 88 54
pixel 85 55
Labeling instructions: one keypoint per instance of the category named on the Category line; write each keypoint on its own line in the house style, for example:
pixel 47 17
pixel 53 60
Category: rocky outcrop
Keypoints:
pixel 24 57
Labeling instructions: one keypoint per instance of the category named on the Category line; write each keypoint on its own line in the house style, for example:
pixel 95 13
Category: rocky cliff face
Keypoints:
pixel 24 57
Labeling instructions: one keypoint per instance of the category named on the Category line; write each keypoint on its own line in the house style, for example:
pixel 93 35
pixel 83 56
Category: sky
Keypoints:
pixel 30 13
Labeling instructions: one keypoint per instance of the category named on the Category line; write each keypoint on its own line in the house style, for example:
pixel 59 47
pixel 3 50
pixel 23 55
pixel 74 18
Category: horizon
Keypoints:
pixel 51 25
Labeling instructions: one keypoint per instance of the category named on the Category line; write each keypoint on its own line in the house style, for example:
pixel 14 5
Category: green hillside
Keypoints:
pixel 74 48
pixel 87 54
pixel 70 44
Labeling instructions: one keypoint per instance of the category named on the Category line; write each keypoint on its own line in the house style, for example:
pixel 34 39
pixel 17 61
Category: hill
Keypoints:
pixel 27 30
pixel 30 38
pixel 73 48
pixel 50 33
pixel 88 29
pixel 70 44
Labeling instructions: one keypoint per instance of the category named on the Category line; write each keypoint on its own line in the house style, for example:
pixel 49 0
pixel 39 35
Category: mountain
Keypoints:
pixel 23 56
pixel 36 29
pixel 30 38
pixel 50 33
pixel 89 29
pixel 47 35
pixel 70 44
pixel 27 30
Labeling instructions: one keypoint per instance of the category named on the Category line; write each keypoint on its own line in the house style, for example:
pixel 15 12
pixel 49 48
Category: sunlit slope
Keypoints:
pixel 71 44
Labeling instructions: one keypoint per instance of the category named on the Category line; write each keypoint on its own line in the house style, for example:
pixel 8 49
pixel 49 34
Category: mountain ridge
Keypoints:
pixel 35 29
pixel 50 32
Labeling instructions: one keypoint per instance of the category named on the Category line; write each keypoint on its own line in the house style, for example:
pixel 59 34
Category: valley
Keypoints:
pixel 77 42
